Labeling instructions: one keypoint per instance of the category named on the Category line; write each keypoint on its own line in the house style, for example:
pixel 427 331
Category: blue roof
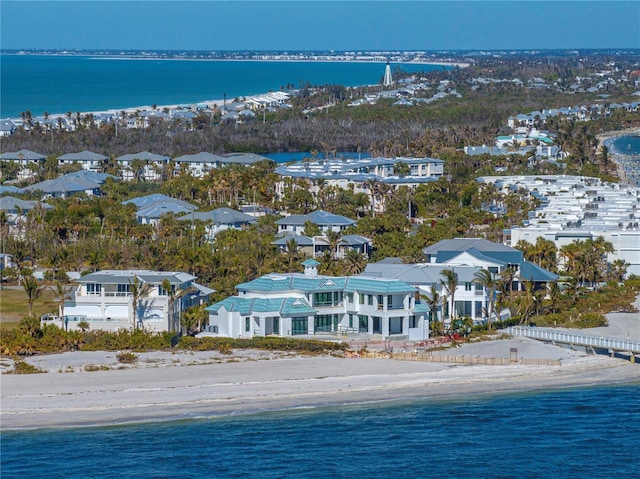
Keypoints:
pixel 221 216
pixel 285 306
pixel 532 272
pixel 318 217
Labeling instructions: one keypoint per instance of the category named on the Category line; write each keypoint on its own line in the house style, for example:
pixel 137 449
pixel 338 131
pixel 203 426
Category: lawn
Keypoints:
pixel 14 306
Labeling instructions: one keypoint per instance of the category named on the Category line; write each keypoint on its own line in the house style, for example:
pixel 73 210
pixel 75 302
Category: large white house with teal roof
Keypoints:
pixel 307 304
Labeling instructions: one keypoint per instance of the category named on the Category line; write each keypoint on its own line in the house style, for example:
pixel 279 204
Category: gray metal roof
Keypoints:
pixel 220 216
pixel 318 217
pixel 126 276
pixel 9 203
pixel 143 155
pixel 83 155
pixel 23 155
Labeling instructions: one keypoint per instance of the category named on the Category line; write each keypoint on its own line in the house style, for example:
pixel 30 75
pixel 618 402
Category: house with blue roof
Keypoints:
pixel 87 159
pixel 465 257
pixel 83 181
pixel 151 208
pixel 152 170
pixel 311 305
pixel 28 161
pixel 326 221
pixel 317 245
pixel 219 220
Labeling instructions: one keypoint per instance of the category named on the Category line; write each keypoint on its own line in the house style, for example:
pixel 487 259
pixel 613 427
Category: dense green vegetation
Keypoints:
pixel 89 233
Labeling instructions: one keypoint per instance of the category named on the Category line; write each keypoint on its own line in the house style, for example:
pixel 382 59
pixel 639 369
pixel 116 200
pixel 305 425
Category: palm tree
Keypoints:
pixel 173 294
pixel 432 299
pixel 32 289
pixel 488 281
pixel 334 238
pixel 450 284
pixel 354 262
pixel 61 291
pixel 138 291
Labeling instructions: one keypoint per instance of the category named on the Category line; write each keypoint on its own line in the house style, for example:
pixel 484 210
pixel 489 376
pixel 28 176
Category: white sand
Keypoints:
pixel 165 385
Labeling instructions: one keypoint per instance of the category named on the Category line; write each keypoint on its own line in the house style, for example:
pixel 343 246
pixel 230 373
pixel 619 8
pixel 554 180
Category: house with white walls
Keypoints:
pixel 312 305
pixel 105 300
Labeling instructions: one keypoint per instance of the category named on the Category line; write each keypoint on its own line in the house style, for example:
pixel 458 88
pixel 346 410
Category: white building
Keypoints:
pixel 576 208
pixel 104 300
pixel 308 304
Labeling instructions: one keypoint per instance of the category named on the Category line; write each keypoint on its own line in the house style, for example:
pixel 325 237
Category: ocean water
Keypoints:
pixel 573 433
pixel 58 84
pixel 627 145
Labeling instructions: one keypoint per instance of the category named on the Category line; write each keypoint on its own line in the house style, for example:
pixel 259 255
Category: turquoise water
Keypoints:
pixel 574 433
pixel 58 84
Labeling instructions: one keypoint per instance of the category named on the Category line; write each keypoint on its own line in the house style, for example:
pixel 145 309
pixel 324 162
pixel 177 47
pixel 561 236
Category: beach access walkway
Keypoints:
pixel 572 338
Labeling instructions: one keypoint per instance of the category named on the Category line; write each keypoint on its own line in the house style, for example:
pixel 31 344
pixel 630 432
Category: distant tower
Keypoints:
pixel 387 81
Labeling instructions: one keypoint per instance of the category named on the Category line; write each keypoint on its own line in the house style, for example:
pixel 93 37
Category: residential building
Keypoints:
pixel 151 167
pixel 325 221
pixel 83 181
pixel 307 304
pixel 105 300
pixel 316 246
pixel 219 220
pixel 465 257
pixel 576 208
pixel 28 161
pixel 87 159
pixel 151 208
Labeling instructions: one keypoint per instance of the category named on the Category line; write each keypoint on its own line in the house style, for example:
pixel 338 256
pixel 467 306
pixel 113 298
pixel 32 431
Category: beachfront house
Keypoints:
pixel 111 300
pixel 465 257
pixel 311 305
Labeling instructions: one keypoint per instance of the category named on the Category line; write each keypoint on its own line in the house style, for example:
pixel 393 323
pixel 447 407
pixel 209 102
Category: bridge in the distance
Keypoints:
pixel 578 339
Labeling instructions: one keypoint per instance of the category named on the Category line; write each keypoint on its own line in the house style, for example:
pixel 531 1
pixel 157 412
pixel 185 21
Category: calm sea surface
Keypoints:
pixel 574 433
pixel 627 145
pixel 58 84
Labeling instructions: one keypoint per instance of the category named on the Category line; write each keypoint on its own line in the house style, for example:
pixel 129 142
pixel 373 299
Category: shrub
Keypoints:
pixel 23 367
pixel 127 357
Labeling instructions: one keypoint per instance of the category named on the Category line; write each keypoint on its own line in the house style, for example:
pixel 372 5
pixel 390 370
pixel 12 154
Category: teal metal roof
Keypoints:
pixel 293 282
pixel 421 308
pixel 246 306
pixel 377 285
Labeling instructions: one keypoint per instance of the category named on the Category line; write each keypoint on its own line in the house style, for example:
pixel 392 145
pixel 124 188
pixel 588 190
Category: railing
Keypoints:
pixel 580 339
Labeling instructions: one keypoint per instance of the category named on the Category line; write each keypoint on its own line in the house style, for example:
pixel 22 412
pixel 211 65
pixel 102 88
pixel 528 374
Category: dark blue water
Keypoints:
pixel 627 145
pixel 576 433
pixel 58 84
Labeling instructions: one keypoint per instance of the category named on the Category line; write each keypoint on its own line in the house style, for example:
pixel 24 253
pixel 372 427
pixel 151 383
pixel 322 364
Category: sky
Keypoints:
pixel 319 25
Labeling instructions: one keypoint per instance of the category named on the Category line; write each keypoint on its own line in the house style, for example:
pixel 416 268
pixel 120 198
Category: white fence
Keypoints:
pixel 580 339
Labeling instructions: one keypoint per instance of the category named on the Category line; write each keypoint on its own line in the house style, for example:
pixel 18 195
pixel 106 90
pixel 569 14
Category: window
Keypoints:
pixel 413 322
pixel 361 298
pixel 94 288
pixel 247 324
pixel 299 325
pixel 124 288
pixel 493 269
pixel 323 299
pixel 349 297
pixel 351 321
pixel 370 300
pixel 467 286
pixel 323 323
pixel 380 302
pixel 363 323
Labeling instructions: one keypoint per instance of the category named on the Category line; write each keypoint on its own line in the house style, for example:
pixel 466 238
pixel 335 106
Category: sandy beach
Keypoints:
pixel 93 388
